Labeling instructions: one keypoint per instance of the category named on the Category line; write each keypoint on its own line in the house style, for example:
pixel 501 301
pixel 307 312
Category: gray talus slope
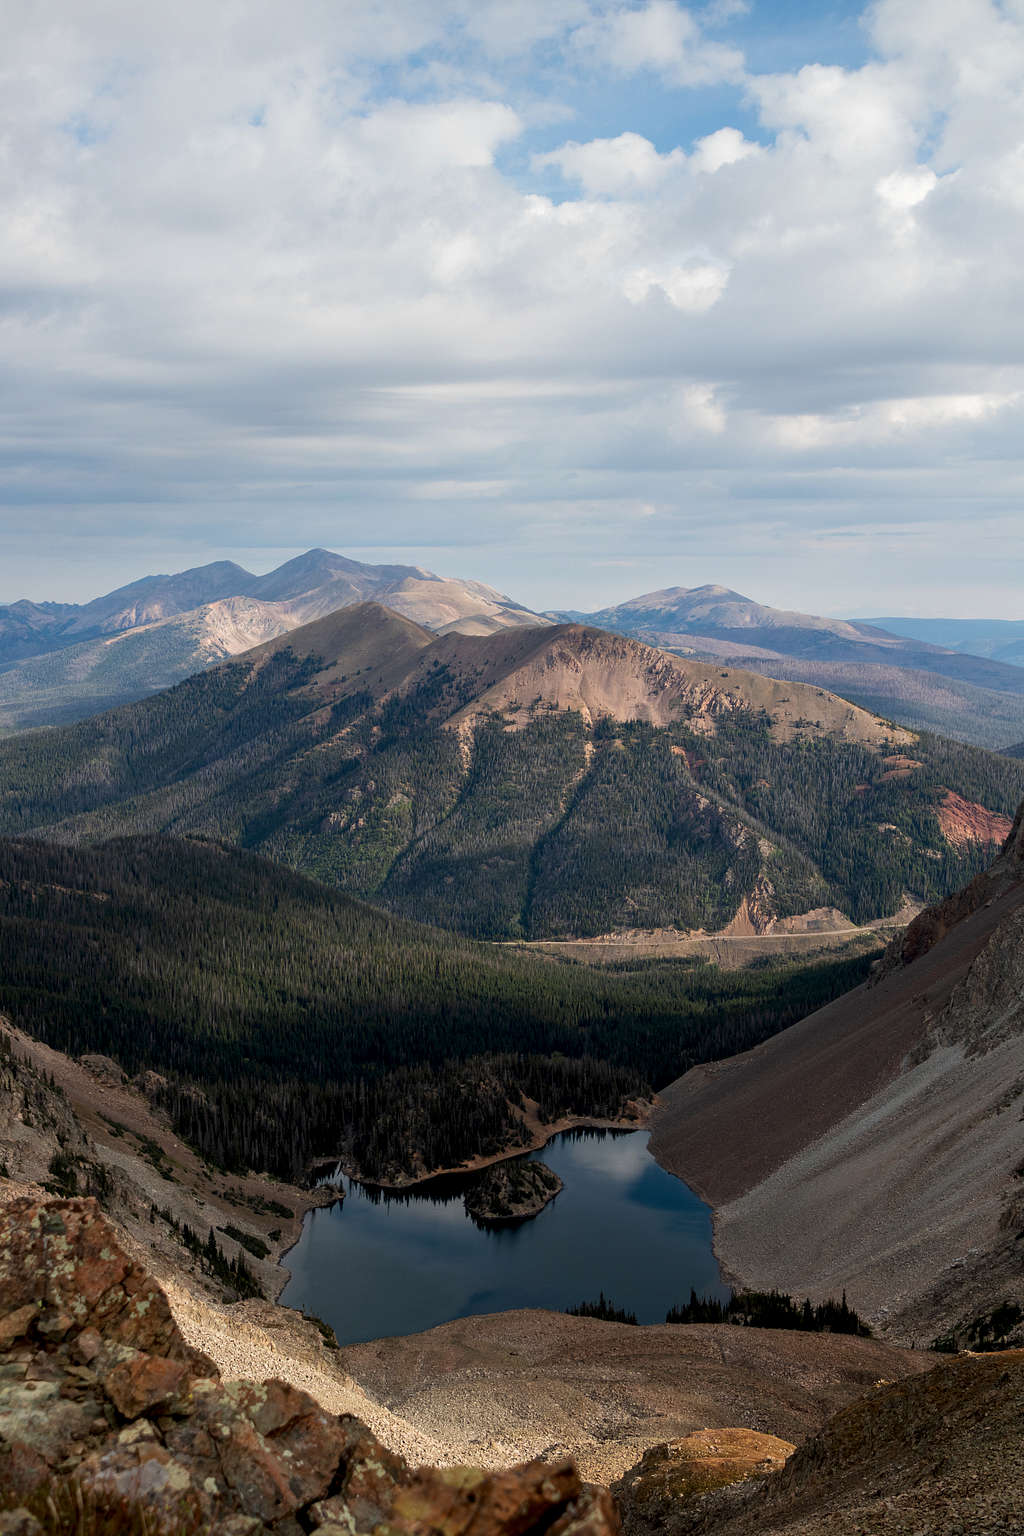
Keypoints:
pixel 874 1145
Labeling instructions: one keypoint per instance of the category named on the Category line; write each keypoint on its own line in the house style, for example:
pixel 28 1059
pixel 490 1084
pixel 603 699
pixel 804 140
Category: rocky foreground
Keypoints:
pixel 111 1423
pixel 106 1414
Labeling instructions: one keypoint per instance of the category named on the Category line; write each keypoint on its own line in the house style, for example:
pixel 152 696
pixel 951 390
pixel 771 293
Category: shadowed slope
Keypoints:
pixel 886 1138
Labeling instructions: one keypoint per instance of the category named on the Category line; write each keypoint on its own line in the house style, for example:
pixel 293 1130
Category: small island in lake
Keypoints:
pixel 512 1191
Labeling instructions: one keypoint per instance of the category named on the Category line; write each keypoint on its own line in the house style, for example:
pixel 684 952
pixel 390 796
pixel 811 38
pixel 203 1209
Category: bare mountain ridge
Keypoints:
pixel 889 1127
pixel 936 687
pixel 517 672
pixel 57 662
pixel 312 585
pixel 711 611
pixel 61 662
pixel 719 608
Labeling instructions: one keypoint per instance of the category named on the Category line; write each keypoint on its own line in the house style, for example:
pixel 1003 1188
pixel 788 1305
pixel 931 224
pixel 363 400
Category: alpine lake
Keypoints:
pixel 385 1262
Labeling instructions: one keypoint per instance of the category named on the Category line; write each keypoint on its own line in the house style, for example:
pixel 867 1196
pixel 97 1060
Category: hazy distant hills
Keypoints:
pixel 914 680
pixel 532 783
pixel 999 639
pixel 61 662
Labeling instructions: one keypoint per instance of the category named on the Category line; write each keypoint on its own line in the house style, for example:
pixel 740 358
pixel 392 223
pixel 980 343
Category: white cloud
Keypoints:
pixel 692 289
pixel 616 167
pixel 725 146
pixel 303 270
pixel 659 36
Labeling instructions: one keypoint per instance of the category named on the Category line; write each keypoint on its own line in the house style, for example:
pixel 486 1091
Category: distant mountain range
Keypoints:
pixel 532 783
pixel 61 661
pixel 899 675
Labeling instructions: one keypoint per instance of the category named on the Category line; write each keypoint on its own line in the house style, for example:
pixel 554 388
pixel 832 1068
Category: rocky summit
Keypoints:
pixel 107 1415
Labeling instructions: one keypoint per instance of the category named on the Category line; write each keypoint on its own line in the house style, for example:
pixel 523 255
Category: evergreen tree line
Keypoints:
pixel 292 1023
pixel 234 1273
pixel 771 1309
pixel 602 1309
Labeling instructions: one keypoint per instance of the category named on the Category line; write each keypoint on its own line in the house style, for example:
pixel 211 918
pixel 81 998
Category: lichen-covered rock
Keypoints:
pixel 664 1492
pixel 103 1407
pixel 62 1259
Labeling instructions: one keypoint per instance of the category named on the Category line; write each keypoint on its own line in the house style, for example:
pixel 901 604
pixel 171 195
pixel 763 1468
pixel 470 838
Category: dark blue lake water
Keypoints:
pixel 381 1264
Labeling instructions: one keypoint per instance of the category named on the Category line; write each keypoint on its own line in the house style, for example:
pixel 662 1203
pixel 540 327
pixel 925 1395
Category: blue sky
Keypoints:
pixel 578 297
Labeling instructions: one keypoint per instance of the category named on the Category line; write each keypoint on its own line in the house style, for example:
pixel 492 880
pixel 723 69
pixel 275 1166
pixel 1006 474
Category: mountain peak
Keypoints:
pixel 601 674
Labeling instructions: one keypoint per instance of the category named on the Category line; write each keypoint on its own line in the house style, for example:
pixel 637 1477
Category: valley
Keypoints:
pixel 511 982
pixel 287 1024
pixel 667 897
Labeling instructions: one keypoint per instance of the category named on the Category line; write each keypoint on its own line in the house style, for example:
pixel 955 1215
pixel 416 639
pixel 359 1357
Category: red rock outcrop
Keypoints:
pixel 935 922
pixel 104 1406
pixel 965 821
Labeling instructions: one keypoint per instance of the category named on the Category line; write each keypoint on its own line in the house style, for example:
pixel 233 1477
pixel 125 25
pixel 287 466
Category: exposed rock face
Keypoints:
pixel 935 922
pixel 512 1191
pixel 99 1393
pixel 964 821
pixel 665 1491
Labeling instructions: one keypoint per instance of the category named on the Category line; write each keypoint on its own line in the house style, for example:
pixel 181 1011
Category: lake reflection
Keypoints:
pixel 385 1263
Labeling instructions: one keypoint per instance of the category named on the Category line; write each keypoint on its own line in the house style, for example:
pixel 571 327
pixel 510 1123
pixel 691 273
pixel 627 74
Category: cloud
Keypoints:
pixel 362 272
pixel 659 36
pixel 613 167
pixel 692 289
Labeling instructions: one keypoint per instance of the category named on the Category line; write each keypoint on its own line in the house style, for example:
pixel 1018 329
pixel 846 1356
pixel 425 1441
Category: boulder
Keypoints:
pixel 666 1491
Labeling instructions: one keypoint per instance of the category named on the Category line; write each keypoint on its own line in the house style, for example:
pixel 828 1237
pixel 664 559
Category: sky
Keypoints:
pixel 582 298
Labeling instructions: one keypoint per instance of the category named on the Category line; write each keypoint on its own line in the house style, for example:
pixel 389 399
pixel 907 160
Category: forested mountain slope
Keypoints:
pixel 976 698
pixel 889 1141
pixel 293 1023
pixel 529 784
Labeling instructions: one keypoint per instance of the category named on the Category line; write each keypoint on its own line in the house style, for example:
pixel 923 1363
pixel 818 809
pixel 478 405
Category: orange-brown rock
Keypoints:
pixel 61 1258
pixel 964 821
pixel 103 1407
pixel 665 1491
pixel 137 1386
